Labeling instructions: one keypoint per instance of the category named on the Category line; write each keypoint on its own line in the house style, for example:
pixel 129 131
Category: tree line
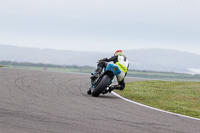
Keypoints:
pixel 28 64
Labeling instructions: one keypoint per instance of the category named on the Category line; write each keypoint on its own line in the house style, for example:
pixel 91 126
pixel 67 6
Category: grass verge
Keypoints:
pixel 170 76
pixel 174 96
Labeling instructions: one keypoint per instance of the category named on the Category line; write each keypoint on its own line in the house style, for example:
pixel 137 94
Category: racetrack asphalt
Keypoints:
pixel 53 102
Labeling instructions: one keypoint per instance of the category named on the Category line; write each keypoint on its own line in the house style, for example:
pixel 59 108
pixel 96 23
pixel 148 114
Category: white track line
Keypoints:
pixel 114 93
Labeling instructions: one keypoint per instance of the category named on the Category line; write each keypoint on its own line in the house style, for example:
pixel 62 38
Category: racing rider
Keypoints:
pixel 121 61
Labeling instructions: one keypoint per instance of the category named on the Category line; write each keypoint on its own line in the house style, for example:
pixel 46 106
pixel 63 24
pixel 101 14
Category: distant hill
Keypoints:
pixel 163 60
pixel 143 59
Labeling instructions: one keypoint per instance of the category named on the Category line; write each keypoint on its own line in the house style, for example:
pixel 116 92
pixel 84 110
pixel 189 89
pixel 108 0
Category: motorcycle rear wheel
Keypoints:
pixel 101 86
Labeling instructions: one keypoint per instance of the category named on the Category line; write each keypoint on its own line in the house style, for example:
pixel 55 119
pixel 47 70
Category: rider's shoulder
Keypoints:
pixel 123 56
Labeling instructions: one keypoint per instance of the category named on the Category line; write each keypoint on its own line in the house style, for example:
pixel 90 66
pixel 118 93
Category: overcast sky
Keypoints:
pixel 101 25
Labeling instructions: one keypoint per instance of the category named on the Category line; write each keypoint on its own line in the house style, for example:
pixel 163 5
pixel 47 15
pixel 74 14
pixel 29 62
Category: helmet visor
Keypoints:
pixel 119 53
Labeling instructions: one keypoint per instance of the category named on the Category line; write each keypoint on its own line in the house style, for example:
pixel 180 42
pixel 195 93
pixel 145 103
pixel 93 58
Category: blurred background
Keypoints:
pixel 154 35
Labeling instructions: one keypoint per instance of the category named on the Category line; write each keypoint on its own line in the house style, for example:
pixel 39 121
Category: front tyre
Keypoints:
pixel 101 86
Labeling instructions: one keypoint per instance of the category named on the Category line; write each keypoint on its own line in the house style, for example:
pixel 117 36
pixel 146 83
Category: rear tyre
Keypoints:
pixel 101 86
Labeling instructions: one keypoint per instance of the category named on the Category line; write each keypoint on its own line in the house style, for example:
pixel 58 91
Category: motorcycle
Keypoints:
pixel 104 79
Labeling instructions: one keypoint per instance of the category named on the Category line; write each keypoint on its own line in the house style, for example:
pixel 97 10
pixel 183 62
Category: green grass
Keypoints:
pixel 174 96
pixel 1 66
pixel 171 76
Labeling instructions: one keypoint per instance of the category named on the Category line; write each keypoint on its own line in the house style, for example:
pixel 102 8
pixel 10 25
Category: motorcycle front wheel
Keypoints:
pixel 101 86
